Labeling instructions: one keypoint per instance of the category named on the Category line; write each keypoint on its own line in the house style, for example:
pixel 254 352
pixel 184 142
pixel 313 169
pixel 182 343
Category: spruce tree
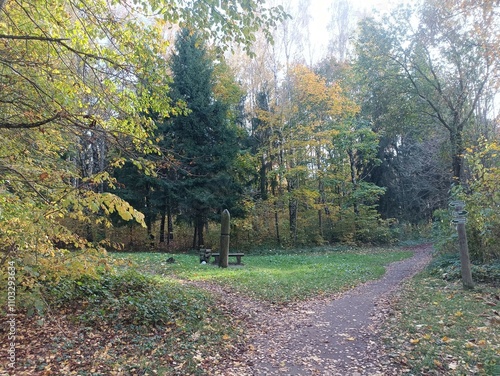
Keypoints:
pixel 204 142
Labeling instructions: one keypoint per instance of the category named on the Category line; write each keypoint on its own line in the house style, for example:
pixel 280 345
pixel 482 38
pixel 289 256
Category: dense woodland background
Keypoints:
pixel 131 127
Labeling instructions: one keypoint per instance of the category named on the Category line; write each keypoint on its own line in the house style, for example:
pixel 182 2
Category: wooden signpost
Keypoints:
pixel 460 219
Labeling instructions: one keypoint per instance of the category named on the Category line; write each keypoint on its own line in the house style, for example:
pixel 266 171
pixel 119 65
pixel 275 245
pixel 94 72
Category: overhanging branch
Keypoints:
pixel 31 37
pixel 36 124
pixel 62 43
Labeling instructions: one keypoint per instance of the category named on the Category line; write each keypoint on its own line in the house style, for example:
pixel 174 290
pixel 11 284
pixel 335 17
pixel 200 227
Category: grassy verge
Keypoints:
pixel 442 329
pixel 281 278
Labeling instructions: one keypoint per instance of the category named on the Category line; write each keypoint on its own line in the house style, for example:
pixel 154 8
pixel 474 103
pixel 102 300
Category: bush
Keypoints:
pixel 128 298
pixel 448 267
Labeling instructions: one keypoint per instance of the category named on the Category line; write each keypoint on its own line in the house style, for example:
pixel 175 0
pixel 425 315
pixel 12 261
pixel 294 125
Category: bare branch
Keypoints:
pixel 61 42
pixel 26 181
pixel 31 37
pixel 30 125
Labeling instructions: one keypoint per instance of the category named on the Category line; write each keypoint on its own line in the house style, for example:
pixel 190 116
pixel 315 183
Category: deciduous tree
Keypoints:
pixel 75 75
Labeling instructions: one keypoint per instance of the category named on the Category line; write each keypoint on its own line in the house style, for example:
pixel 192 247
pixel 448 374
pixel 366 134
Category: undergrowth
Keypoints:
pixel 128 298
pixel 439 328
pixel 448 267
pixel 124 323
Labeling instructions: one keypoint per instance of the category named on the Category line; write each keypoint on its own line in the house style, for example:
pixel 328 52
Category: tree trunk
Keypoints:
pixel 457 149
pixel 277 223
pixel 170 224
pixel 200 225
pixel 162 226
pixel 195 235
pixel 293 209
pixel 352 162
pixel 274 184
pixel 263 178
pixel 321 190
pixel 149 227
pixel 464 257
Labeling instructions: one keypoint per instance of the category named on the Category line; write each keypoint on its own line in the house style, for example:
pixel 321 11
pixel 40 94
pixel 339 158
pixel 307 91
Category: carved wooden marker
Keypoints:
pixel 224 239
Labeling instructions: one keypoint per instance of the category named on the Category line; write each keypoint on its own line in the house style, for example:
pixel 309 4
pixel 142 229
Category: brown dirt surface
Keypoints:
pixel 337 335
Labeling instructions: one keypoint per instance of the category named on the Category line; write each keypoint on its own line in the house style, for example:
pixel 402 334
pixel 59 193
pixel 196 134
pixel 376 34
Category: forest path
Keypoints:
pixel 331 336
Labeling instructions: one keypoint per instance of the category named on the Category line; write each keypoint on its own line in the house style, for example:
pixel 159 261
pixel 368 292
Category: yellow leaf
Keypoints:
pixel 445 339
pixel 414 341
pixel 351 339
pixel 437 363
pixel 459 314
pixel 225 337
pixel 469 345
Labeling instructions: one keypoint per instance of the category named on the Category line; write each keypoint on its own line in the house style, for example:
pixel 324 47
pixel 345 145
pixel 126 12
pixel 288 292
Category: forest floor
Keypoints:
pixel 394 325
pixel 242 335
pixel 339 335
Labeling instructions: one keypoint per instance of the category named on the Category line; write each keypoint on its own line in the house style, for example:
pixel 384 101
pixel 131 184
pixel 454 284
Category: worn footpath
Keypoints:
pixel 331 336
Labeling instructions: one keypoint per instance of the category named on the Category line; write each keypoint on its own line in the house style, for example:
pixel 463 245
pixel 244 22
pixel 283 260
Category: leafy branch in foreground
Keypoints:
pixel 78 82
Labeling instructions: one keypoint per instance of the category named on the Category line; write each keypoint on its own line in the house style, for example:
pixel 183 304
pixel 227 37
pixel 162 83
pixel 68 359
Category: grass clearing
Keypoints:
pixel 280 278
pixel 440 328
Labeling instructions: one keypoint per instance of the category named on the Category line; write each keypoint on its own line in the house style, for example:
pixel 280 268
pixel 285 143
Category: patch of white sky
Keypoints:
pixel 321 12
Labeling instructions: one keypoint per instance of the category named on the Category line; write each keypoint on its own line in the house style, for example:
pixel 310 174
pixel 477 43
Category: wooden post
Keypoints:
pixel 460 220
pixel 224 239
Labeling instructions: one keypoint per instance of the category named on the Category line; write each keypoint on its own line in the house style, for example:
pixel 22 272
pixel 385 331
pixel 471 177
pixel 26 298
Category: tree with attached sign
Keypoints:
pixel 460 218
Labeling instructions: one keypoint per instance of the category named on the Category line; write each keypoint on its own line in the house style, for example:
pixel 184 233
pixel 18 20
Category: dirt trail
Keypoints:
pixel 337 336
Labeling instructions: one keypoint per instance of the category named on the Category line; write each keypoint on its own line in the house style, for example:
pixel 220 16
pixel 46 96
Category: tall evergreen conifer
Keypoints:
pixel 204 142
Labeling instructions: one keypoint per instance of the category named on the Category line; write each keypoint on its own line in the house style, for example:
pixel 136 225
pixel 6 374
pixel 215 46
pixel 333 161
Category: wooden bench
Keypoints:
pixel 237 255
pixel 206 254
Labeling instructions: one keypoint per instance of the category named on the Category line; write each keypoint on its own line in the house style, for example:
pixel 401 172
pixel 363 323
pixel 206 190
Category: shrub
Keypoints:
pixel 128 298
pixel 448 267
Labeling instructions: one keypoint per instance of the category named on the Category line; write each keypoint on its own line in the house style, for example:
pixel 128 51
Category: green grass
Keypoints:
pixel 281 278
pixel 440 328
